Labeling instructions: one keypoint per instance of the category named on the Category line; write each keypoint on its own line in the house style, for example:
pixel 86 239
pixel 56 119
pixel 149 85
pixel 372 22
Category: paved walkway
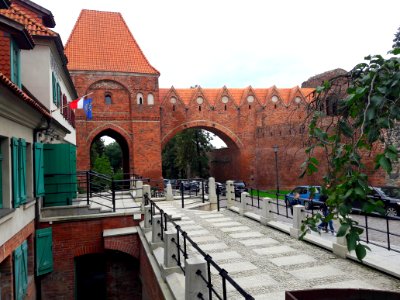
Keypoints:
pixel 266 262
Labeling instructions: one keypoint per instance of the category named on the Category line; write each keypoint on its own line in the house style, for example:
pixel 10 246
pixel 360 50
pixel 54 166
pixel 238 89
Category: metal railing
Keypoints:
pixel 385 230
pixel 91 187
pixel 181 242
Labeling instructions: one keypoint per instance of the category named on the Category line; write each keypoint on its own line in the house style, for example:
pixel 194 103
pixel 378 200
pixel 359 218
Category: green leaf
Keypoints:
pixel 352 239
pixel 360 251
pixel 385 163
pixel 342 230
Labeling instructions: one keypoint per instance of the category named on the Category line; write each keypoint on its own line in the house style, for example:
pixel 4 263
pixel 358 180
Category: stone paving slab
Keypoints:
pixel 217 220
pixel 208 216
pixel 248 282
pixel 316 272
pixel 257 242
pixel 214 246
pixel 292 260
pixel 185 222
pixel 222 224
pixel 199 232
pixel 191 227
pixel 273 250
pixel 236 228
pixel 225 255
pixel 236 267
pixel 204 238
pixel 243 235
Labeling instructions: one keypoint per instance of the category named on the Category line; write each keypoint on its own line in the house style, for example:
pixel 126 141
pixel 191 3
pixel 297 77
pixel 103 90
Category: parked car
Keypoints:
pixel 389 195
pixel 309 196
pixel 219 186
pixel 239 187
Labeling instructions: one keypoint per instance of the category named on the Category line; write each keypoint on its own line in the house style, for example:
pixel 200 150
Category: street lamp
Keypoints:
pixel 276 148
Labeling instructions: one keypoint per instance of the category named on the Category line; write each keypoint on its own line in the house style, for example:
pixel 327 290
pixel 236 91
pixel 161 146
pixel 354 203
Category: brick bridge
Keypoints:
pixel 129 106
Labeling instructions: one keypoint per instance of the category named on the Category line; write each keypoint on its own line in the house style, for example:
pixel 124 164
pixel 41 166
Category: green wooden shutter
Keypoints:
pixel 24 267
pixel 39 170
pixel 58 94
pixel 21 270
pixel 44 251
pixel 15 171
pixel 1 180
pixel 54 87
pixel 22 170
pixel 15 63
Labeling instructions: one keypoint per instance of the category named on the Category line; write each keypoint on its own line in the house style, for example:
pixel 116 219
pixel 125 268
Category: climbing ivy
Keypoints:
pixel 365 117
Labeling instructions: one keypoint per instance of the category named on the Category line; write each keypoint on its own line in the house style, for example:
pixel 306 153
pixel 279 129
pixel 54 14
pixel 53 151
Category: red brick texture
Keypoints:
pixel 151 288
pixel 76 238
pixel 8 247
pixel 5 62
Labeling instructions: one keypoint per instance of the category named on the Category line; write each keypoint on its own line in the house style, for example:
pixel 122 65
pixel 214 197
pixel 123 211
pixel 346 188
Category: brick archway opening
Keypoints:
pixel 121 142
pixel 108 275
pixel 224 163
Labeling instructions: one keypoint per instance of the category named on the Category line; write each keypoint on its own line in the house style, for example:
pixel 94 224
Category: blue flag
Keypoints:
pixel 87 107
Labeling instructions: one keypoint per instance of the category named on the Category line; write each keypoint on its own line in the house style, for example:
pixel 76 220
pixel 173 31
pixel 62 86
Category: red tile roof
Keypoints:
pixel 101 41
pixel 24 97
pixel 33 26
pixel 236 95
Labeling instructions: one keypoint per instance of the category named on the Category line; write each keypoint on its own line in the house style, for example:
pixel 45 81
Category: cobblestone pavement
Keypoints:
pixel 267 262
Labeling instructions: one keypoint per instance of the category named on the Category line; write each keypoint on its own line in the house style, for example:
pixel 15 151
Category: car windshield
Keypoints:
pixel 391 192
pixel 239 184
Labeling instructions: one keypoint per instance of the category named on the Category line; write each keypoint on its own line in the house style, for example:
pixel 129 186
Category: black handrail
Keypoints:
pixel 210 262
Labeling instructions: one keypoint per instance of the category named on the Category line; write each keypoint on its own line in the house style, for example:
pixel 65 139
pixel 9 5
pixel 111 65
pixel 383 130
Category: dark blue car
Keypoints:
pixel 309 196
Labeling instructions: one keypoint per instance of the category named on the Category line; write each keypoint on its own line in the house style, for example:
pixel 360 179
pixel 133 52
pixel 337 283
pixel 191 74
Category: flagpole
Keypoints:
pixel 62 105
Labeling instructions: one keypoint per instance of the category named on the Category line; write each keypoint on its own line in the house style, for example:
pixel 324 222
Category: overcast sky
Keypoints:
pixel 239 43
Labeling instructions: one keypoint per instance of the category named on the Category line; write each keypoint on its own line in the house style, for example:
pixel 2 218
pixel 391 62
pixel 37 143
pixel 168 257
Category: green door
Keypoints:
pixel 59 174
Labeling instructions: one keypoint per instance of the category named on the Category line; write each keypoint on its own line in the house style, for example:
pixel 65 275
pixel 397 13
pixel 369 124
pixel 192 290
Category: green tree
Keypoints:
pixel 114 154
pixel 96 150
pixel 102 165
pixel 397 39
pixel 186 154
pixel 366 117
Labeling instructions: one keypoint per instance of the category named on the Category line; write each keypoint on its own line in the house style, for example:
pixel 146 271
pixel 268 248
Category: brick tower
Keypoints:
pixel 106 62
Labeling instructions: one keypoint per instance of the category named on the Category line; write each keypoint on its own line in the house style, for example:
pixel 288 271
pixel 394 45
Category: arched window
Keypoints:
pixel 108 99
pixel 150 99
pixel 139 98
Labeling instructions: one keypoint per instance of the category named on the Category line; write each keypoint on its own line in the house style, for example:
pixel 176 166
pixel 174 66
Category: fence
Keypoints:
pixel 199 280
pixel 91 187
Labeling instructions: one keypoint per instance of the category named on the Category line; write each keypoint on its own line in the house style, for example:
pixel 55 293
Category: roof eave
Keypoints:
pixel 18 32
pixel 47 16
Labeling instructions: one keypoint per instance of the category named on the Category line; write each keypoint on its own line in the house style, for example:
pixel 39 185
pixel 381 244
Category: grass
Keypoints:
pixel 270 193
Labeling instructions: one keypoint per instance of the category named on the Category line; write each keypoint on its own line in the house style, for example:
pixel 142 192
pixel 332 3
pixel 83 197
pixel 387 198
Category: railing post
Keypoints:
pixel 156 229
pixel 169 196
pixel 182 195
pixel 218 192
pixel 90 185
pixel 340 247
pixel 230 193
pixel 202 191
pixel 298 218
pixel 170 249
pixel 194 284
pixel 87 187
pixel 146 191
pixel 212 196
pixel 147 218
pixel 113 193
pixel 139 190
pixel 266 214
pixel 243 203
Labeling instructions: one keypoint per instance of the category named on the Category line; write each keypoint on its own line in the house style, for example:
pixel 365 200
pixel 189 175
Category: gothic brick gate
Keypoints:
pixel 105 60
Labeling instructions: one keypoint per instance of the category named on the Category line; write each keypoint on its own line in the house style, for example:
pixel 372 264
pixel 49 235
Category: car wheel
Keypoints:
pixel 391 211
pixel 307 205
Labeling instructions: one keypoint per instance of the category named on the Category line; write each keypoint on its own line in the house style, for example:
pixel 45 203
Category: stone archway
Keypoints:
pixel 122 142
pixel 225 163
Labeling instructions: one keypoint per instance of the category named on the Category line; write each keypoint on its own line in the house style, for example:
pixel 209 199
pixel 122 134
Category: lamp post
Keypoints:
pixel 276 148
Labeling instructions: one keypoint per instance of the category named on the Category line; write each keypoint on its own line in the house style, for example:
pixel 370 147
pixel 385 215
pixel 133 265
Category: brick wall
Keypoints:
pixel 76 238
